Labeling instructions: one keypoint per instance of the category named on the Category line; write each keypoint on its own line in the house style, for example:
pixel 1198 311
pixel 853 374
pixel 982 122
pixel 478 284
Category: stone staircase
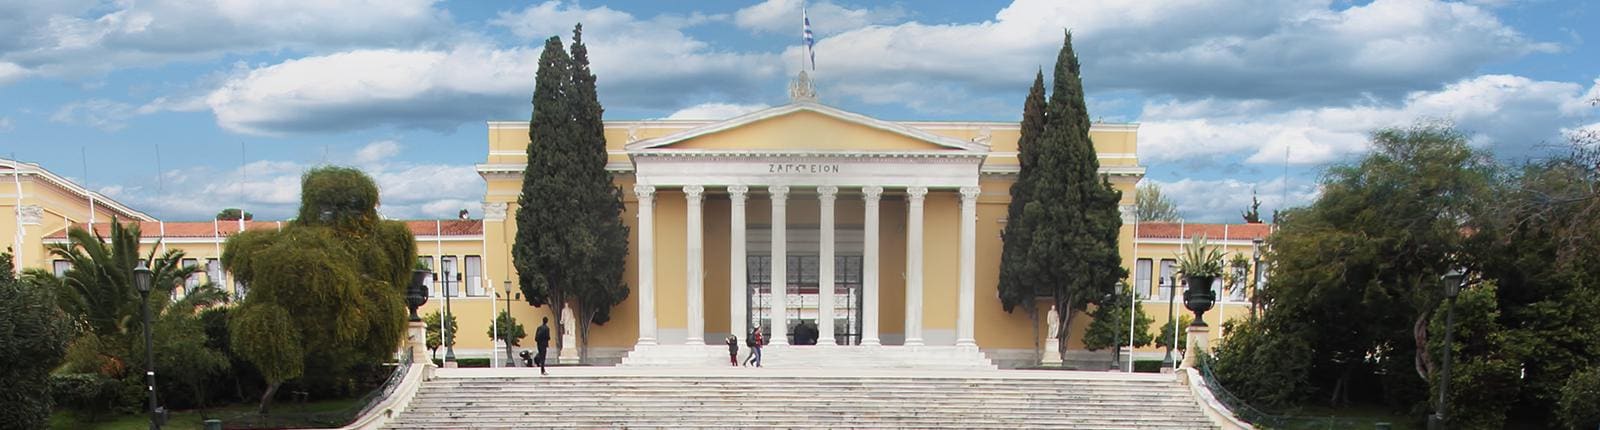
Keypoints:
pixel 798 398
pixel 815 356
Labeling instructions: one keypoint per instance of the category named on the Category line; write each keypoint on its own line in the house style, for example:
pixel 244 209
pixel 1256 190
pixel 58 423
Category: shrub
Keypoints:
pixel 1579 406
pixel 1147 366
pixel 93 395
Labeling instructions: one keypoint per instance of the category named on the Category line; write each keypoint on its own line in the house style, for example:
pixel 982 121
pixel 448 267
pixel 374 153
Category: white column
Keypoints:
pixel 914 198
pixel 695 275
pixel 969 279
pixel 780 263
pixel 647 263
pixel 736 260
pixel 869 267
pixel 825 270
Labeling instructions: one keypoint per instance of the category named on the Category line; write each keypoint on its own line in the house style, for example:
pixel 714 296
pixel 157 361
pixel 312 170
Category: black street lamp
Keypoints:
pixel 1453 281
pixel 1255 255
pixel 444 321
pixel 141 280
pixel 507 296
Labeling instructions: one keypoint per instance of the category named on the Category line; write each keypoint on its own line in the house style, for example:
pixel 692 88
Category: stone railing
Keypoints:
pixel 395 401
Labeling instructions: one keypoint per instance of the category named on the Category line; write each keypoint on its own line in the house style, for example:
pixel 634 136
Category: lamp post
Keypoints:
pixel 507 297
pixel 141 280
pixel 1453 281
pixel 444 321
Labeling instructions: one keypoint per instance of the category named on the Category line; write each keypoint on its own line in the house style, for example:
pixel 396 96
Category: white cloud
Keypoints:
pixel 1225 200
pixel 80 38
pixel 783 17
pixel 271 188
pixel 5 124
pixel 1302 50
pixel 1510 114
pixel 377 151
pixel 102 114
pixel 715 111
pixel 11 72
pixel 437 89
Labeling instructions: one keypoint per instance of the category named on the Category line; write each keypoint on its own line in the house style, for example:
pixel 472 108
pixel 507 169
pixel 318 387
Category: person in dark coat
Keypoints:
pixel 755 341
pixel 541 339
pixel 733 350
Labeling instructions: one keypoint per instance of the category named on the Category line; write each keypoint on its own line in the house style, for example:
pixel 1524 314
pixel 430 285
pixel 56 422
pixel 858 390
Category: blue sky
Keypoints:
pixel 1231 95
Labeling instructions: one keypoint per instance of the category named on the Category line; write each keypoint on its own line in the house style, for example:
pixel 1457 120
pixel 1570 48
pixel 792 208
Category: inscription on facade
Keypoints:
pixel 802 168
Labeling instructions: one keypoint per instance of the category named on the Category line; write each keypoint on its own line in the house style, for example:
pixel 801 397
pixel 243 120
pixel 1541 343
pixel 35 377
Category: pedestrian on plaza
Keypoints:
pixel 754 341
pixel 541 338
pixel 733 350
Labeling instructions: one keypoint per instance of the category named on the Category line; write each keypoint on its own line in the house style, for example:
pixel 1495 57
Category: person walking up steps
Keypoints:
pixel 754 341
pixel 733 350
pixel 541 339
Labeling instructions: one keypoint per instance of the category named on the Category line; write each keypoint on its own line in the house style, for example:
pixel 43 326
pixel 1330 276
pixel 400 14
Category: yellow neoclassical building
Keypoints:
pixel 901 218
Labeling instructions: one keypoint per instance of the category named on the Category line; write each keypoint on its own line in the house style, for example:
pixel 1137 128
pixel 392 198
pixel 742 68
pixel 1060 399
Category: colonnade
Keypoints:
pixel 827 194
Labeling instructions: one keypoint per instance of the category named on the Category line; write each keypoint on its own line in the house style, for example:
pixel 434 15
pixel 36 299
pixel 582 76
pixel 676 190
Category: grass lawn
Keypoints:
pixel 192 419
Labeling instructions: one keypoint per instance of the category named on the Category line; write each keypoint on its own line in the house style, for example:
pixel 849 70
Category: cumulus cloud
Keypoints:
pixel 1224 200
pixel 271 188
pixel 436 89
pixel 84 38
pixel 715 111
pixel 1303 50
pixel 5 124
pixel 782 17
pixel 1508 114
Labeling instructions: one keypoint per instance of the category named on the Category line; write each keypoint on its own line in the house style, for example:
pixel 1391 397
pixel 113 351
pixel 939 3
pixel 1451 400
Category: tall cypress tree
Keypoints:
pixel 571 243
pixel 1015 290
pixel 601 286
pixel 1070 217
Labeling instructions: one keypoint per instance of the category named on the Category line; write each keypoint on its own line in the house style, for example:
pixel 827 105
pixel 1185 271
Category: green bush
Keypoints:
pixel 1147 366
pixel 1580 400
pixel 466 362
pixel 93 395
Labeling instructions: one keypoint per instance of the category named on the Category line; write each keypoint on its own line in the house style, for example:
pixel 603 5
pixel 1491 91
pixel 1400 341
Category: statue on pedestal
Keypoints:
pixel 569 341
pixel 1052 342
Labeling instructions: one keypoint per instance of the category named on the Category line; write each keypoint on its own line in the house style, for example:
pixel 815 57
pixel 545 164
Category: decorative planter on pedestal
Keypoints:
pixel 1198 298
pixel 416 330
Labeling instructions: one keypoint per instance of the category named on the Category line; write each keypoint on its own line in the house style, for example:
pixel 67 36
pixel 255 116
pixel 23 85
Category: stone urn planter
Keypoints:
pixel 1199 297
pixel 417 292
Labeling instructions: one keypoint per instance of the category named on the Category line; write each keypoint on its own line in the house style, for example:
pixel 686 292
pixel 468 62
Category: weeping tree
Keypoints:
pixel 326 290
pixel 571 244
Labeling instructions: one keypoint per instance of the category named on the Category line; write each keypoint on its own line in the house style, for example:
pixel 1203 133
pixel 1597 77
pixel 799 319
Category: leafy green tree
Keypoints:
pixel 571 245
pixel 1152 206
pixel 507 329
pixel 1070 218
pixel 1016 288
pixel 436 338
pixel 1485 378
pixel 1356 273
pixel 326 290
pixel 233 214
pixel 1110 326
pixel 33 339
pixel 1579 407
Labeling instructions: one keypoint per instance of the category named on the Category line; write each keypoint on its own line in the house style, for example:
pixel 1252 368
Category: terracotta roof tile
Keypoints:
pixel 1161 230
pixel 202 229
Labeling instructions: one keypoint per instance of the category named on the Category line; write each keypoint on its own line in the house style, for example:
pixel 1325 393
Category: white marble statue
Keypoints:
pixel 569 341
pixel 1054 319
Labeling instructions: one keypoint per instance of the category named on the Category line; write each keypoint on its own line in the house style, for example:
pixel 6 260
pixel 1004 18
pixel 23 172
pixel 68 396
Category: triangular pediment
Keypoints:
pixel 805 126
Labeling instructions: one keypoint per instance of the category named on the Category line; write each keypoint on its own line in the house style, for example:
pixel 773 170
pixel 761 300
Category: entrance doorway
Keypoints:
pixel 803 295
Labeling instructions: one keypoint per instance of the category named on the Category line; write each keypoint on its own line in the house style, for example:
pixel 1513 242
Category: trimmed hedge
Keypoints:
pixel 465 362
pixel 1147 366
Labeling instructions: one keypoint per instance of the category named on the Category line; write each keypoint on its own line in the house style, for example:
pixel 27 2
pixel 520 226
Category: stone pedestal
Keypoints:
pixel 416 342
pixel 569 354
pixel 1052 352
pixel 1196 342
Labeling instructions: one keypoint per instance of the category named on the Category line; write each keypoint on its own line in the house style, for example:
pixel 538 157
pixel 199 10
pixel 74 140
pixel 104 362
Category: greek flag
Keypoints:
pixel 809 40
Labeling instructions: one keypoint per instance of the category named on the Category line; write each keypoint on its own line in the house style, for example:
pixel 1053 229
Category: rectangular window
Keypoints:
pixel 447 276
pixel 474 270
pixel 191 282
pixel 1236 291
pixel 1169 269
pixel 214 273
pixel 60 267
pixel 1141 278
